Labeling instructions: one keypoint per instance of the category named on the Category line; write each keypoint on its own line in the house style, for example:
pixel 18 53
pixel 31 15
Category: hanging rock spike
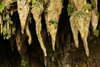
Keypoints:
pixel 74 30
pixel 37 13
pixel 28 33
pixel 82 23
pixel 54 11
pixel 23 11
pixel 94 17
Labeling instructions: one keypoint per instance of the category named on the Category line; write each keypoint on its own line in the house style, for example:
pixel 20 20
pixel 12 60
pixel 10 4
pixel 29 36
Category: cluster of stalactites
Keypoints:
pixel 80 22
pixel 53 12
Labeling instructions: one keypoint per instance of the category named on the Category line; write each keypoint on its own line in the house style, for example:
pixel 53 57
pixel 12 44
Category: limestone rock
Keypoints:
pixel 37 13
pixel 82 23
pixel 23 11
pixel 54 11
pixel 94 17
pixel 74 30
pixel 79 4
pixel 28 33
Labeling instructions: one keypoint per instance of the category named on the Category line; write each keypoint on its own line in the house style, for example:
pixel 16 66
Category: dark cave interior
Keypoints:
pixel 9 58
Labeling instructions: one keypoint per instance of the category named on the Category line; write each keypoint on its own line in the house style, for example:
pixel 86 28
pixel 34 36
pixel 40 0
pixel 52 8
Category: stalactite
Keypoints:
pixel 80 21
pixel 37 13
pixel 28 33
pixel 94 17
pixel 53 13
pixel 74 30
pixel 23 10
pixel 83 26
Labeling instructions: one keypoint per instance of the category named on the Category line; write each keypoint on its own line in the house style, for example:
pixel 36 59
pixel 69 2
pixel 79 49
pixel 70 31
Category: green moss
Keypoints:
pixel 29 0
pixel 69 9
pixel 23 63
pixel 96 32
pixel 45 1
pixel 2 6
pixel 4 31
pixel 7 19
pixel 55 26
pixel 53 21
pixel 94 3
pixel 80 12
pixel 33 1
pixel 87 6
pixel 36 5
pixel 97 13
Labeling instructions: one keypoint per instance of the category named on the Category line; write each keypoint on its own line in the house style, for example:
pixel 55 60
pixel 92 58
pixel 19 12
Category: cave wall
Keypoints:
pixel 66 54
